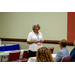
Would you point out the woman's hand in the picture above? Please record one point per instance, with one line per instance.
(41, 41)
(35, 41)
(30, 42)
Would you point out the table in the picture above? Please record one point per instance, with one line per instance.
(33, 59)
(7, 52)
(9, 47)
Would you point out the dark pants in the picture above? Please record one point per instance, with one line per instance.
(31, 53)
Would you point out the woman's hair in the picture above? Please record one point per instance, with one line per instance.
(43, 54)
(63, 42)
(33, 27)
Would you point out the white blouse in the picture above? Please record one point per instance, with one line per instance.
(33, 37)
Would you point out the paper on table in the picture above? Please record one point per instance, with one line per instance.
(53, 55)
(2, 51)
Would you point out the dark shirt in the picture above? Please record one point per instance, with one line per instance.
(72, 54)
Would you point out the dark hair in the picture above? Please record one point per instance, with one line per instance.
(63, 43)
(33, 27)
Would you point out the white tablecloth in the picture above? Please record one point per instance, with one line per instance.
(6, 44)
(7, 52)
(33, 59)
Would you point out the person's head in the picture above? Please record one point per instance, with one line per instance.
(36, 27)
(62, 43)
(43, 54)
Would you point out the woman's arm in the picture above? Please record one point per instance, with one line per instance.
(30, 42)
(41, 41)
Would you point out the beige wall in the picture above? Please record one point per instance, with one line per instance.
(19, 24)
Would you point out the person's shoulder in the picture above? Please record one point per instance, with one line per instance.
(65, 49)
(40, 32)
(60, 51)
(73, 50)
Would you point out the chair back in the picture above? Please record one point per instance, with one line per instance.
(14, 56)
(51, 49)
(66, 59)
(25, 54)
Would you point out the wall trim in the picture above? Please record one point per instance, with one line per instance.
(25, 40)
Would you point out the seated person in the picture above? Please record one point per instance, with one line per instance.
(43, 54)
(72, 53)
(63, 52)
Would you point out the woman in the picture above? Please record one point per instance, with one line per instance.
(44, 55)
(35, 40)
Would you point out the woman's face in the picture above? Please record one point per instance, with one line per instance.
(36, 28)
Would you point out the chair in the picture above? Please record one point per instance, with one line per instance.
(66, 59)
(51, 49)
(13, 56)
(25, 57)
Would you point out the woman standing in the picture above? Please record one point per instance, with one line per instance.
(35, 40)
